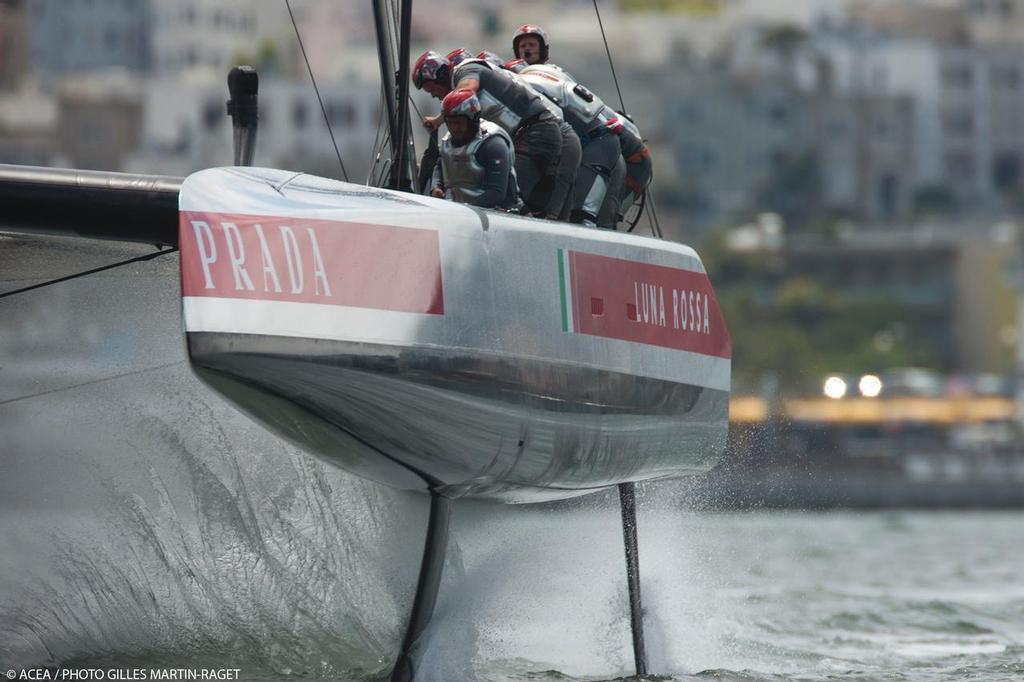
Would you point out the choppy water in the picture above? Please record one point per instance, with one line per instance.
(298, 588)
(145, 523)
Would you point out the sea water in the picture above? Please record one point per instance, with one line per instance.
(146, 525)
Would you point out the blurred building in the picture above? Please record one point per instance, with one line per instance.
(150, 36)
(185, 126)
(732, 137)
(995, 22)
(932, 114)
(13, 43)
(951, 283)
(28, 128)
(196, 34)
(100, 119)
(73, 36)
(864, 147)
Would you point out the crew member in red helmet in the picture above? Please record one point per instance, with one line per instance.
(477, 161)
(535, 130)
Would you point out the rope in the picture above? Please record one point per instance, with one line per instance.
(652, 215)
(640, 204)
(148, 256)
(375, 150)
(393, 21)
(611, 63)
(316, 89)
(91, 383)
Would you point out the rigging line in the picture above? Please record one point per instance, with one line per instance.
(379, 180)
(92, 382)
(653, 217)
(148, 256)
(639, 203)
(375, 150)
(611, 63)
(309, 68)
(381, 164)
(393, 25)
(415, 108)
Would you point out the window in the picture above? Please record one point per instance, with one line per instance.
(300, 114)
(707, 159)
(958, 123)
(778, 113)
(213, 113)
(1006, 76)
(691, 113)
(957, 76)
(959, 165)
(341, 113)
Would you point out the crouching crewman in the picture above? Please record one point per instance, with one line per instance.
(477, 161)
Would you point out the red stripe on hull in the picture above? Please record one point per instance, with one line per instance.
(272, 258)
(643, 303)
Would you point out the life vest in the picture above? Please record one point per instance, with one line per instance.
(580, 106)
(463, 174)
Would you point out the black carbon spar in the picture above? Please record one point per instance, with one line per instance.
(95, 204)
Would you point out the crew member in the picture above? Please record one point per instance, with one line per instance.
(477, 160)
(639, 171)
(458, 55)
(595, 124)
(530, 43)
(489, 56)
(514, 106)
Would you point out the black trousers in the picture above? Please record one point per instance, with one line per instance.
(538, 149)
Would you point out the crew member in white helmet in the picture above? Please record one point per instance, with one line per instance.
(530, 43)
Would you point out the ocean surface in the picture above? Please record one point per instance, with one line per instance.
(540, 595)
(144, 523)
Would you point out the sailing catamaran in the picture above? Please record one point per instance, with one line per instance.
(420, 343)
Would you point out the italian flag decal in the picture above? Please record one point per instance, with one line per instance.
(566, 288)
(655, 305)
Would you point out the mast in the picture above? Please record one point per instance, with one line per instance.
(387, 66)
(401, 167)
(396, 90)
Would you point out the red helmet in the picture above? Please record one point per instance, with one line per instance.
(531, 30)
(514, 65)
(431, 66)
(490, 57)
(459, 55)
(461, 103)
